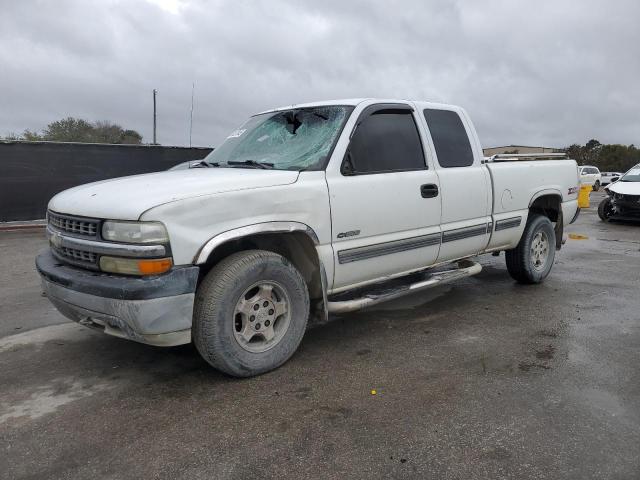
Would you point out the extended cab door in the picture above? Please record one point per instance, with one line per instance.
(385, 202)
(464, 183)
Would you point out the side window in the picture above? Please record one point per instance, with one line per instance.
(385, 141)
(449, 138)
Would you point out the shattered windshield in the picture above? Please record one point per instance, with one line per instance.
(632, 175)
(296, 139)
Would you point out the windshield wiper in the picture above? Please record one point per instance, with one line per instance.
(251, 164)
(203, 164)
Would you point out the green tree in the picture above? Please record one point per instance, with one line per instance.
(575, 152)
(613, 157)
(131, 136)
(72, 129)
(69, 130)
(31, 136)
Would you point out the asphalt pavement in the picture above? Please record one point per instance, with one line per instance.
(480, 379)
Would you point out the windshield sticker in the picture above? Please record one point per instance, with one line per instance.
(237, 133)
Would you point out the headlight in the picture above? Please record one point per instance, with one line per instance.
(135, 232)
(135, 266)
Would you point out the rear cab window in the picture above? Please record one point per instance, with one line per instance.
(450, 138)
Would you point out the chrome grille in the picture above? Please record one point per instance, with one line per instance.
(73, 225)
(78, 255)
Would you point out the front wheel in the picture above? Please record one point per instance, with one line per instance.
(605, 209)
(531, 261)
(250, 313)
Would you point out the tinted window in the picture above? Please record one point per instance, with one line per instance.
(385, 141)
(449, 137)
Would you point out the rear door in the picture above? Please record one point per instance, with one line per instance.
(385, 204)
(464, 183)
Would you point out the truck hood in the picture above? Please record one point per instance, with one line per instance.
(126, 198)
(625, 188)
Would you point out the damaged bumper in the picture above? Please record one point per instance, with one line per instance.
(625, 207)
(153, 310)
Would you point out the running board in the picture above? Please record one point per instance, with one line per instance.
(466, 268)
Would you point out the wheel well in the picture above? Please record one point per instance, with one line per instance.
(297, 247)
(547, 205)
(550, 206)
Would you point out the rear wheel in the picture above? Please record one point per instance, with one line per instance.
(605, 209)
(531, 261)
(596, 186)
(250, 313)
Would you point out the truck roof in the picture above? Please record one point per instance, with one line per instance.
(352, 102)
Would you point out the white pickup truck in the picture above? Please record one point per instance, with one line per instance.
(303, 211)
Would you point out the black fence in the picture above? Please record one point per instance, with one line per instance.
(33, 172)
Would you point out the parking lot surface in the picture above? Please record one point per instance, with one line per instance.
(480, 379)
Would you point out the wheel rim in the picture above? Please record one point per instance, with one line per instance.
(262, 316)
(539, 251)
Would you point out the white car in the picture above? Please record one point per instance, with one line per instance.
(623, 198)
(609, 177)
(590, 175)
(303, 211)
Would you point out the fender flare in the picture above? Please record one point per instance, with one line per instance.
(546, 191)
(267, 227)
(257, 228)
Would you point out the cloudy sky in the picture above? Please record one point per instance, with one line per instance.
(529, 72)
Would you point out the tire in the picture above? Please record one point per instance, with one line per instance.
(605, 209)
(523, 261)
(243, 293)
(596, 186)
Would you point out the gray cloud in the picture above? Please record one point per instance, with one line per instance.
(540, 73)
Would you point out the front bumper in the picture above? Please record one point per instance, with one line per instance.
(625, 207)
(155, 310)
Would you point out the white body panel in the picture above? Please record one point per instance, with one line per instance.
(193, 221)
(359, 203)
(196, 205)
(126, 198)
(516, 185)
(625, 188)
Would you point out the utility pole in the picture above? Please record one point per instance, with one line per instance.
(193, 87)
(155, 140)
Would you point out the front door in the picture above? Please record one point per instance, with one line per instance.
(385, 202)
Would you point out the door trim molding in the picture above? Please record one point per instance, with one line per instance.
(387, 248)
(505, 223)
(465, 232)
(397, 246)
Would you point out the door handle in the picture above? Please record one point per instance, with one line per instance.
(429, 190)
